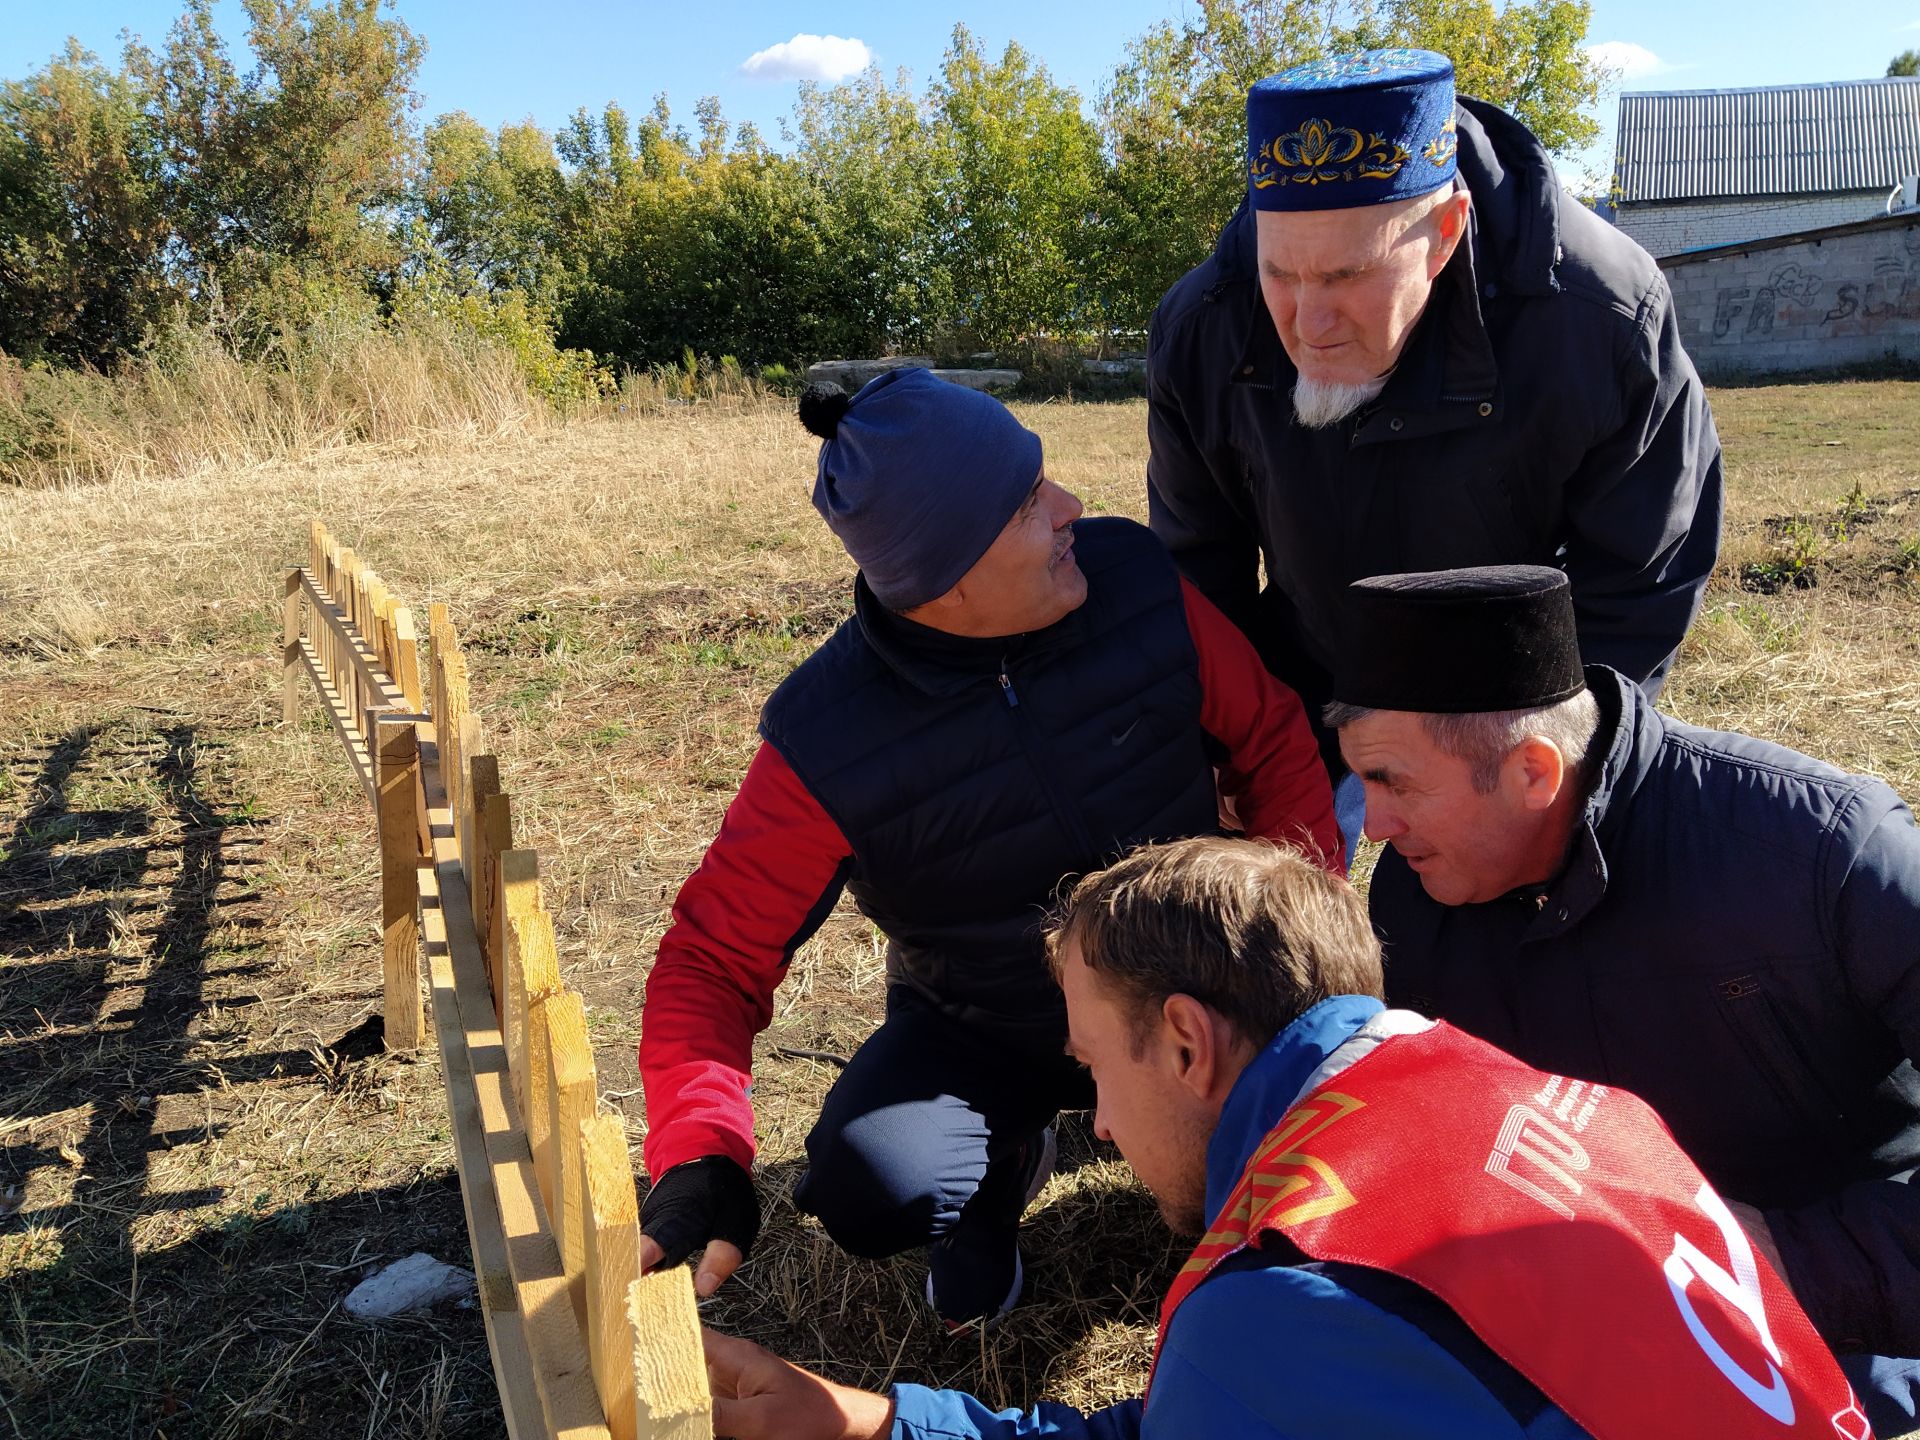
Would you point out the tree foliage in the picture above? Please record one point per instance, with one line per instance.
(992, 209)
(1907, 62)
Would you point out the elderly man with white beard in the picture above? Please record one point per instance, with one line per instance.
(1412, 350)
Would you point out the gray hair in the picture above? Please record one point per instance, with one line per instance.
(1484, 739)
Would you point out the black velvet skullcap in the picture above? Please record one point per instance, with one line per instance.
(1458, 642)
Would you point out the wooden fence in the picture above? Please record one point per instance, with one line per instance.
(583, 1345)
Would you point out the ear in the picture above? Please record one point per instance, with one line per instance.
(1450, 228)
(1196, 1047)
(1538, 770)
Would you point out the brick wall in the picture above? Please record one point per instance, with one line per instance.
(1812, 305)
(1667, 227)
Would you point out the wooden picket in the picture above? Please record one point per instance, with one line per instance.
(583, 1346)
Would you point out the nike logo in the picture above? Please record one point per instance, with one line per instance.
(1121, 738)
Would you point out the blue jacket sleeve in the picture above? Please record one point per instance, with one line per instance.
(1293, 1353)
(923, 1414)
(1853, 1257)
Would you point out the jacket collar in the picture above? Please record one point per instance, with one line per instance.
(1629, 738)
(1272, 1082)
(939, 664)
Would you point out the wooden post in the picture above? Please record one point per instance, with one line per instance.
(571, 1101)
(473, 741)
(516, 896)
(349, 578)
(290, 650)
(451, 731)
(538, 1108)
(495, 824)
(483, 780)
(533, 973)
(407, 655)
(613, 1265)
(399, 771)
(671, 1398)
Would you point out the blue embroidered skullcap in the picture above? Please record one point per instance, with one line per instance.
(918, 477)
(1351, 130)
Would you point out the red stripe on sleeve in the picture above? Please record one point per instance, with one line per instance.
(1274, 774)
(766, 881)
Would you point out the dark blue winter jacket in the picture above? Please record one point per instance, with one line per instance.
(1735, 937)
(970, 775)
(1265, 1349)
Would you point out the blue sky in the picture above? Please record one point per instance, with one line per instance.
(508, 60)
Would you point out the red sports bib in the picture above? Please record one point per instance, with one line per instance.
(1561, 1222)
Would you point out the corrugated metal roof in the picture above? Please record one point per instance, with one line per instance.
(1771, 140)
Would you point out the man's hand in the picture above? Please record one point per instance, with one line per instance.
(759, 1396)
(710, 1202)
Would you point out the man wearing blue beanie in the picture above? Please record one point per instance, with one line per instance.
(1412, 350)
(1020, 697)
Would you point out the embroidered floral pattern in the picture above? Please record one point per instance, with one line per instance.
(1440, 150)
(1320, 152)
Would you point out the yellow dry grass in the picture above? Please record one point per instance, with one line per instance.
(629, 591)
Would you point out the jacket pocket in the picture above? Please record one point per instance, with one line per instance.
(1755, 1013)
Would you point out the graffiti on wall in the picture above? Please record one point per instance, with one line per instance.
(1865, 302)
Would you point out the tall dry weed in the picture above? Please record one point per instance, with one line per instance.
(194, 404)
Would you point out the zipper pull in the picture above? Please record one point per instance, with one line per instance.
(1006, 688)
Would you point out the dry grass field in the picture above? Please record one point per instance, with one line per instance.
(202, 1146)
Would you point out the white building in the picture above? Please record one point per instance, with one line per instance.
(1698, 169)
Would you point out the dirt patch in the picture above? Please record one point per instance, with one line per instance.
(186, 1173)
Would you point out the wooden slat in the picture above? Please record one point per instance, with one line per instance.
(613, 1264)
(350, 738)
(483, 780)
(533, 972)
(290, 650)
(399, 882)
(473, 741)
(553, 1349)
(407, 675)
(348, 652)
(516, 896)
(507, 1339)
(572, 1101)
(671, 1398)
(495, 825)
(539, 1106)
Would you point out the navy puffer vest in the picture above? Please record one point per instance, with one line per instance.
(972, 777)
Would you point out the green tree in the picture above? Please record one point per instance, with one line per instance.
(297, 165)
(1019, 169)
(1907, 62)
(867, 148)
(81, 231)
(1526, 58)
(493, 205)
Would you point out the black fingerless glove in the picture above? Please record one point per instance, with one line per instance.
(706, 1199)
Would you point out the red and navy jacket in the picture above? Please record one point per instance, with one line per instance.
(953, 785)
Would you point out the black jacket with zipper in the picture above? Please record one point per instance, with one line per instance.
(1735, 938)
(1543, 411)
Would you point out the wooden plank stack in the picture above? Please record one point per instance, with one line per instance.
(583, 1345)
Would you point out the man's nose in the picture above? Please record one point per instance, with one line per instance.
(1067, 508)
(1315, 320)
(1382, 823)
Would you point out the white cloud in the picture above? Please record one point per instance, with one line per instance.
(809, 57)
(1627, 60)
